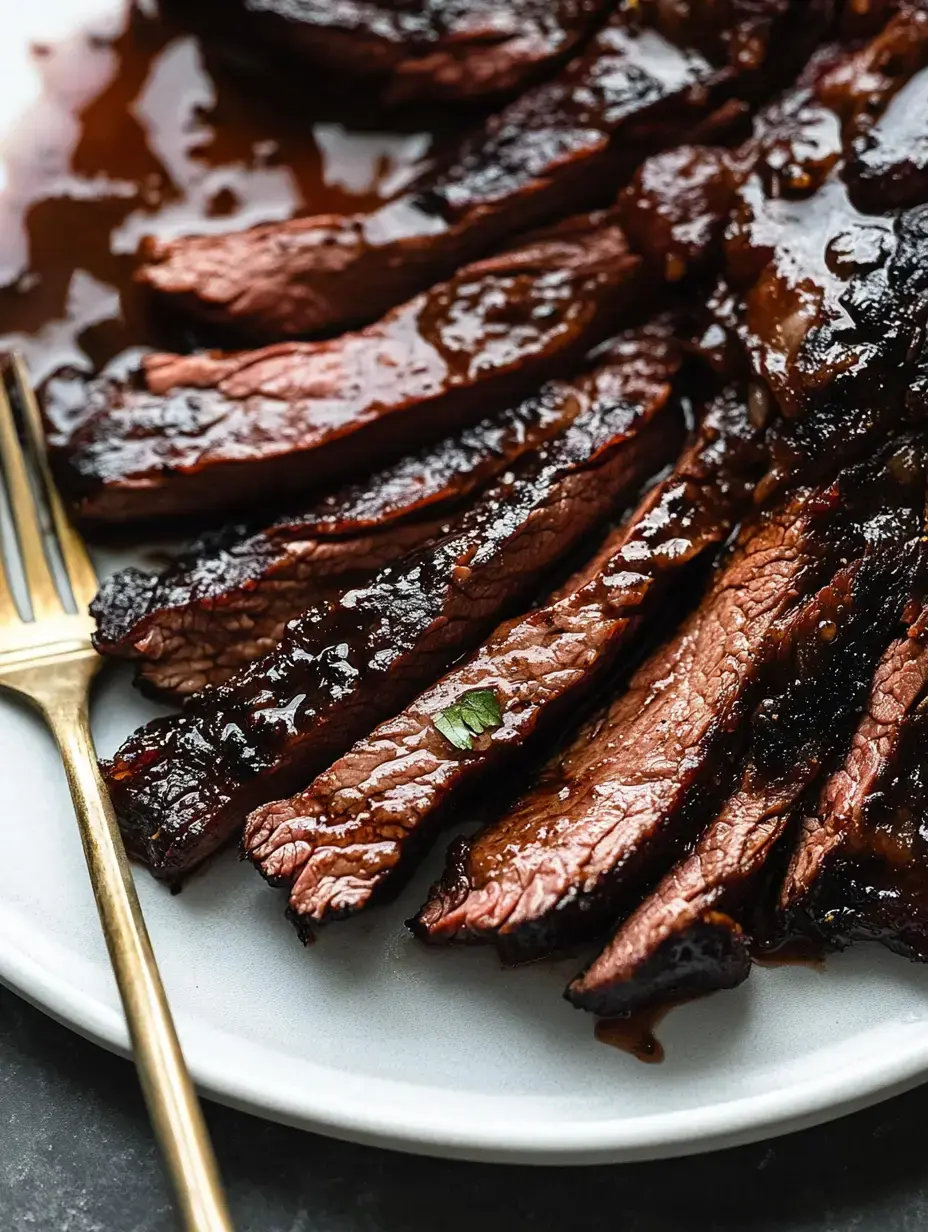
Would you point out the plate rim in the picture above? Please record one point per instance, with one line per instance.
(699, 1130)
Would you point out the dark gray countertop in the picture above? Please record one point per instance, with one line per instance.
(76, 1156)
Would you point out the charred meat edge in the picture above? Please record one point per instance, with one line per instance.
(853, 843)
(873, 886)
(182, 786)
(211, 432)
(351, 836)
(849, 289)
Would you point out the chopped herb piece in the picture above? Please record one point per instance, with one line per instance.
(477, 711)
(452, 727)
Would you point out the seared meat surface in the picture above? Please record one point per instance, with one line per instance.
(210, 432)
(831, 300)
(229, 597)
(683, 572)
(348, 839)
(561, 146)
(182, 786)
(872, 886)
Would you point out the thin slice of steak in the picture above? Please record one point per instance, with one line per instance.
(684, 939)
(881, 93)
(402, 52)
(182, 786)
(351, 836)
(227, 599)
(562, 146)
(870, 75)
(636, 784)
(213, 432)
(846, 877)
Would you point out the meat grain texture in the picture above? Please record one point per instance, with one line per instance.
(772, 157)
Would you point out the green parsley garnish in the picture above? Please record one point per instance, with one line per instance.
(476, 712)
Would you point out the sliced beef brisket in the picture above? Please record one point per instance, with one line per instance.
(182, 786)
(403, 52)
(637, 782)
(228, 598)
(348, 838)
(684, 939)
(212, 432)
(557, 148)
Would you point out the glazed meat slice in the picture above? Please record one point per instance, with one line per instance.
(677, 206)
(636, 783)
(846, 877)
(868, 77)
(348, 839)
(213, 432)
(404, 52)
(228, 598)
(557, 148)
(683, 940)
(856, 376)
(182, 786)
(873, 887)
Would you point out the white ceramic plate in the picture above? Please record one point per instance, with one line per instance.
(369, 1035)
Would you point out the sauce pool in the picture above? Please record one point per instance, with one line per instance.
(122, 125)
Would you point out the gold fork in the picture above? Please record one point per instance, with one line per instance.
(49, 661)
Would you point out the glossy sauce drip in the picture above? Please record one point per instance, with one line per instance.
(124, 126)
(634, 1033)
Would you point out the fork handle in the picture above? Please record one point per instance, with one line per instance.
(169, 1093)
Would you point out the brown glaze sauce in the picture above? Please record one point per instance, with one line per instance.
(635, 1033)
(126, 126)
(794, 952)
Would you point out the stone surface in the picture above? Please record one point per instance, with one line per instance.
(76, 1156)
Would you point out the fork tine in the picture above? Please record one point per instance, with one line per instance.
(82, 576)
(43, 594)
(8, 609)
